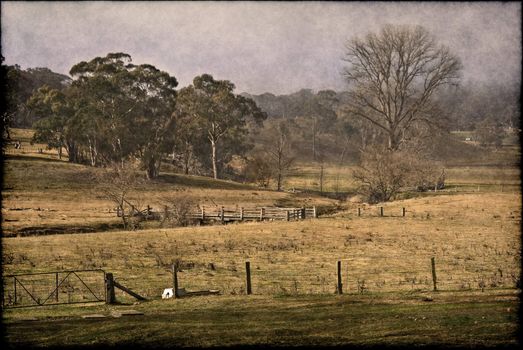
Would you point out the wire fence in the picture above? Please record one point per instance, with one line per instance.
(362, 274)
(272, 275)
(430, 212)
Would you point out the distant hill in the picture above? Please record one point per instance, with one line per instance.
(25, 83)
(292, 105)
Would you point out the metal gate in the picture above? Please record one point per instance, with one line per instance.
(53, 288)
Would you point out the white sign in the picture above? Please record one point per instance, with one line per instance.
(168, 293)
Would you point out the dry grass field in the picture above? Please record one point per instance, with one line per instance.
(474, 239)
(473, 235)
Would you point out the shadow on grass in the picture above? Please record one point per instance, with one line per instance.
(64, 229)
(32, 158)
(201, 182)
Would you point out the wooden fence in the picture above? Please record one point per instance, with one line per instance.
(253, 214)
(227, 214)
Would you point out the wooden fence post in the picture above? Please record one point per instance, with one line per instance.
(314, 214)
(56, 287)
(248, 274)
(403, 211)
(261, 214)
(241, 214)
(221, 214)
(340, 286)
(359, 211)
(288, 215)
(302, 213)
(175, 280)
(381, 211)
(203, 213)
(109, 286)
(14, 287)
(433, 263)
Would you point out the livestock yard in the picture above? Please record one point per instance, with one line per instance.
(442, 268)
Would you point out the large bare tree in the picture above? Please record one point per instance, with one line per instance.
(393, 76)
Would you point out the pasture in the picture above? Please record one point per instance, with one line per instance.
(472, 233)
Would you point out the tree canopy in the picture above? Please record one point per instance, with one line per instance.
(220, 115)
(393, 76)
(113, 110)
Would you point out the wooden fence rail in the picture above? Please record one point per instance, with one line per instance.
(252, 214)
(223, 214)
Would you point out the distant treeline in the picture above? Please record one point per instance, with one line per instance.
(110, 109)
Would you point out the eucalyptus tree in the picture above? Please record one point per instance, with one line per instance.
(394, 75)
(10, 99)
(52, 108)
(221, 115)
(126, 109)
(106, 105)
(155, 122)
(187, 148)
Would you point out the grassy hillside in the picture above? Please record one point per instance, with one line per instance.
(473, 234)
(42, 192)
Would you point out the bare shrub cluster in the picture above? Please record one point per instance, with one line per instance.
(178, 208)
(118, 183)
(383, 173)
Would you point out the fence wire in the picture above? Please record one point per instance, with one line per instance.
(358, 275)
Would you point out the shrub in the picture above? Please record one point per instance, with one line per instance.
(177, 209)
(383, 173)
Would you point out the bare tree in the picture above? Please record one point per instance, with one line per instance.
(117, 183)
(279, 151)
(394, 75)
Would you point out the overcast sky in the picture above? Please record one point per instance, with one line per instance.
(261, 47)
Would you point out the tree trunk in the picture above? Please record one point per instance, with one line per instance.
(173, 155)
(187, 158)
(279, 180)
(343, 151)
(214, 166)
(93, 152)
(72, 152)
(314, 139)
(321, 178)
(393, 141)
(152, 168)
(124, 218)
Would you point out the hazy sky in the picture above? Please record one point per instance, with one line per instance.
(260, 46)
